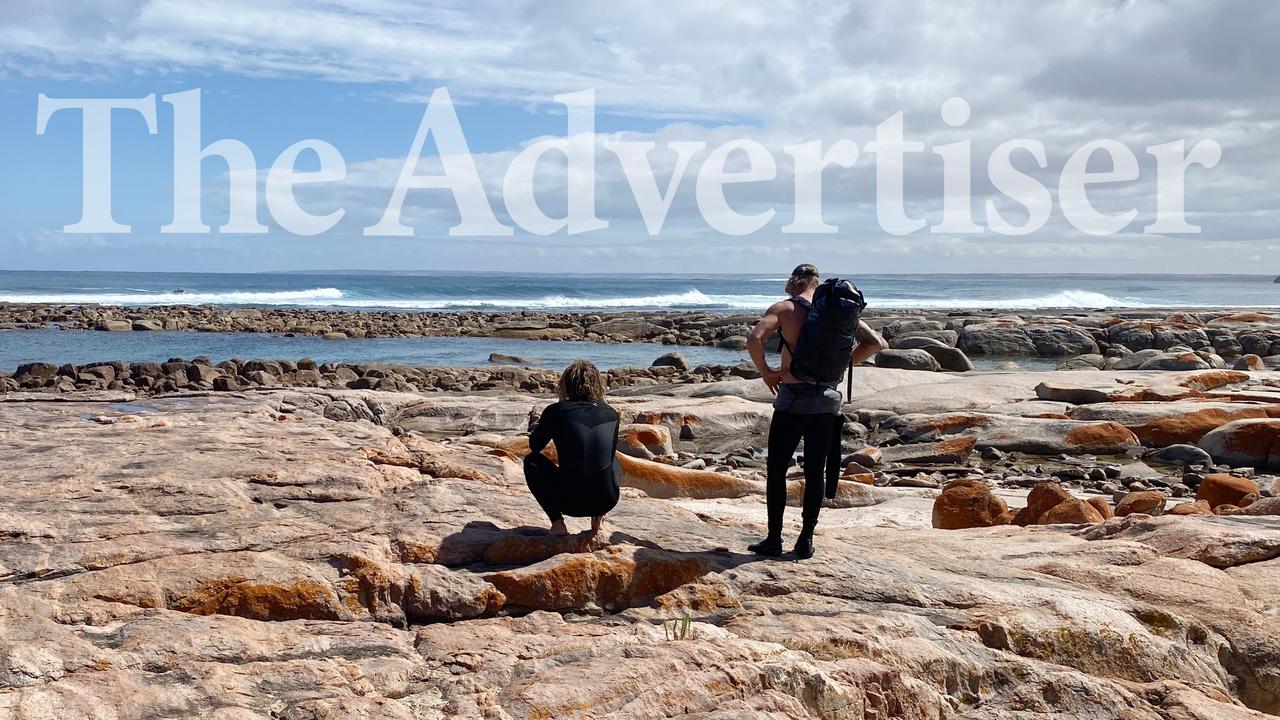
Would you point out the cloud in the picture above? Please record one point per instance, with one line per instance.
(1061, 71)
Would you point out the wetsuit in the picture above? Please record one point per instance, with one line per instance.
(585, 483)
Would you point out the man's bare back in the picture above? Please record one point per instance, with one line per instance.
(787, 318)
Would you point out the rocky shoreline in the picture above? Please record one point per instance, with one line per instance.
(203, 375)
(1102, 338)
(1083, 544)
(255, 539)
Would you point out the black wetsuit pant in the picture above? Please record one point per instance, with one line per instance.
(821, 435)
(560, 496)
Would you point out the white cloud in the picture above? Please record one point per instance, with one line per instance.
(1060, 71)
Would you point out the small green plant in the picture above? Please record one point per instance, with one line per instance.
(679, 629)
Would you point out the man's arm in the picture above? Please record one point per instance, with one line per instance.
(542, 432)
(760, 334)
(869, 343)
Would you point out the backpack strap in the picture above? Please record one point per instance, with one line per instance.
(801, 302)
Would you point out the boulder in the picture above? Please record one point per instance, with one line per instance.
(995, 339)
(1084, 362)
(644, 441)
(967, 504)
(917, 342)
(911, 326)
(1190, 508)
(1147, 502)
(950, 358)
(1035, 436)
(951, 450)
(147, 325)
(1245, 443)
(501, 359)
(1100, 504)
(115, 326)
(1060, 340)
(916, 359)
(1181, 455)
(39, 370)
(1263, 506)
(632, 329)
(1071, 512)
(1043, 497)
(1250, 363)
(672, 359)
(1223, 489)
(1161, 424)
(867, 457)
(1175, 362)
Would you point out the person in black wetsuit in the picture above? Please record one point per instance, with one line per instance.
(585, 430)
(803, 410)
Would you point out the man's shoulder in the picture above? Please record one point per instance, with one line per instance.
(782, 307)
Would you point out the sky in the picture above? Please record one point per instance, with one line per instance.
(358, 75)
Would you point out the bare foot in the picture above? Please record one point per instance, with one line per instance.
(597, 522)
(559, 529)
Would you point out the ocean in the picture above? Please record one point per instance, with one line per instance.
(736, 293)
(628, 292)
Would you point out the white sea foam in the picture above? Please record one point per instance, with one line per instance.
(690, 299)
(687, 300)
(1062, 299)
(314, 296)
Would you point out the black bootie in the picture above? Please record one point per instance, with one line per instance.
(804, 543)
(769, 547)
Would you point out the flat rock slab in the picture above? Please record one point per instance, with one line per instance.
(252, 557)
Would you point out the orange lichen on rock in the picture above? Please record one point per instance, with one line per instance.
(1222, 489)
(1070, 512)
(967, 504)
(1187, 428)
(667, 481)
(1099, 435)
(1100, 504)
(1210, 379)
(397, 456)
(298, 600)
(958, 445)
(1146, 502)
(1190, 508)
(616, 578)
(1042, 498)
(1246, 443)
(529, 549)
(700, 596)
(954, 423)
(1243, 318)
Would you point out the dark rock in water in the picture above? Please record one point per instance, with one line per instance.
(672, 359)
(1277, 280)
(502, 359)
(907, 360)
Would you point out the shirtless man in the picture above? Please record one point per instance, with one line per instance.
(802, 410)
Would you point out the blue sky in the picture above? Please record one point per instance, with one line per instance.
(357, 74)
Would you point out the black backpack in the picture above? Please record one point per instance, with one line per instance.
(824, 352)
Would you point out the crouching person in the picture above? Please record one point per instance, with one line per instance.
(584, 428)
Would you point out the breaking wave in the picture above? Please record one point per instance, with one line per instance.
(1063, 299)
(692, 299)
(315, 296)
